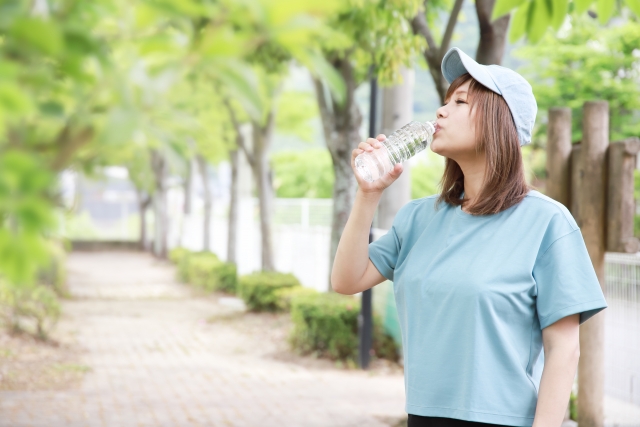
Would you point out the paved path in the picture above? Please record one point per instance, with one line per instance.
(161, 356)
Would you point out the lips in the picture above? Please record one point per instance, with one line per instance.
(437, 128)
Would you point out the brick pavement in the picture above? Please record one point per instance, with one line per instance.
(156, 361)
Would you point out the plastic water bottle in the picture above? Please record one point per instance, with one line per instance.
(404, 143)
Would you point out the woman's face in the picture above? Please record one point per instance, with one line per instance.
(456, 136)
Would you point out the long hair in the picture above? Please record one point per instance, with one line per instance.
(504, 181)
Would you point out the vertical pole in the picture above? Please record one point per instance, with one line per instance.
(365, 321)
(558, 182)
(592, 216)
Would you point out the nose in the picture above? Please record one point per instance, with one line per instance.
(441, 112)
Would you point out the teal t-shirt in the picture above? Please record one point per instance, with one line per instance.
(473, 294)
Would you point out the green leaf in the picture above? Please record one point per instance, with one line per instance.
(634, 5)
(41, 35)
(582, 5)
(519, 23)
(538, 21)
(502, 7)
(560, 10)
(13, 100)
(240, 80)
(605, 8)
(320, 68)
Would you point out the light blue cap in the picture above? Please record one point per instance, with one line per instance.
(503, 81)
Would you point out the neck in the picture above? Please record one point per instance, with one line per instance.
(473, 171)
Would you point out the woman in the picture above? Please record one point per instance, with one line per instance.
(485, 274)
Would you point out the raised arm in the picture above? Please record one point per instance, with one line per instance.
(352, 271)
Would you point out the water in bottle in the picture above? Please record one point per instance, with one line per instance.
(404, 143)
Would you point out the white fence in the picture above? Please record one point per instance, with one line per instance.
(622, 327)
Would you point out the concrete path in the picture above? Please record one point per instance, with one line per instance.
(161, 356)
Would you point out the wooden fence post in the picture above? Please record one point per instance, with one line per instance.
(558, 180)
(621, 206)
(591, 218)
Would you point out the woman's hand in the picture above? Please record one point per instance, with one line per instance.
(384, 181)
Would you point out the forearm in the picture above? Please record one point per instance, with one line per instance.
(560, 368)
(352, 254)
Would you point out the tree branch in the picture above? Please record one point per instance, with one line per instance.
(69, 145)
(453, 20)
(236, 126)
(420, 26)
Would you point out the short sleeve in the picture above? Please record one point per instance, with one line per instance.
(384, 252)
(566, 281)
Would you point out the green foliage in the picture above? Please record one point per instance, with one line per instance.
(177, 254)
(54, 274)
(299, 174)
(25, 212)
(294, 113)
(374, 33)
(587, 62)
(259, 290)
(204, 270)
(534, 17)
(573, 407)
(284, 296)
(326, 324)
(425, 176)
(36, 303)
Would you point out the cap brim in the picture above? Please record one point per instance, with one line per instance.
(456, 63)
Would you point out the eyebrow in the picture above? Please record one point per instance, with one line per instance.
(460, 91)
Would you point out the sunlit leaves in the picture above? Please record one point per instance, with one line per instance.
(588, 62)
(533, 17)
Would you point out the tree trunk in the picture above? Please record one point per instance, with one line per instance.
(341, 125)
(262, 175)
(206, 226)
(233, 209)
(493, 35)
(143, 203)
(159, 167)
(187, 188)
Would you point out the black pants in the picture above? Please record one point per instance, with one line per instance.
(420, 421)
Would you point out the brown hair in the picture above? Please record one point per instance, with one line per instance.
(504, 181)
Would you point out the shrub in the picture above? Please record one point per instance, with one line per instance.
(176, 254)
(259, 290)
(285, 295)
(54, 274)
(205, 270)
(327, 324)
(36, 302)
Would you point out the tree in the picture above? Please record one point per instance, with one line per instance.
(54, 101)
(363, 34)
(533, 17)
(587, 62)
(490, 46)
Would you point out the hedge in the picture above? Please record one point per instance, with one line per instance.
(327, 324)
(262, 291)
(205, 270)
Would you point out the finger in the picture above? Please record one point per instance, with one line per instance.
(381, 137)
(373, 142)
(365, 146)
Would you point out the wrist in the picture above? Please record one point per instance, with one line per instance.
(369, 196)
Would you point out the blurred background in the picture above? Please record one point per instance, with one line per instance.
(175, 176)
